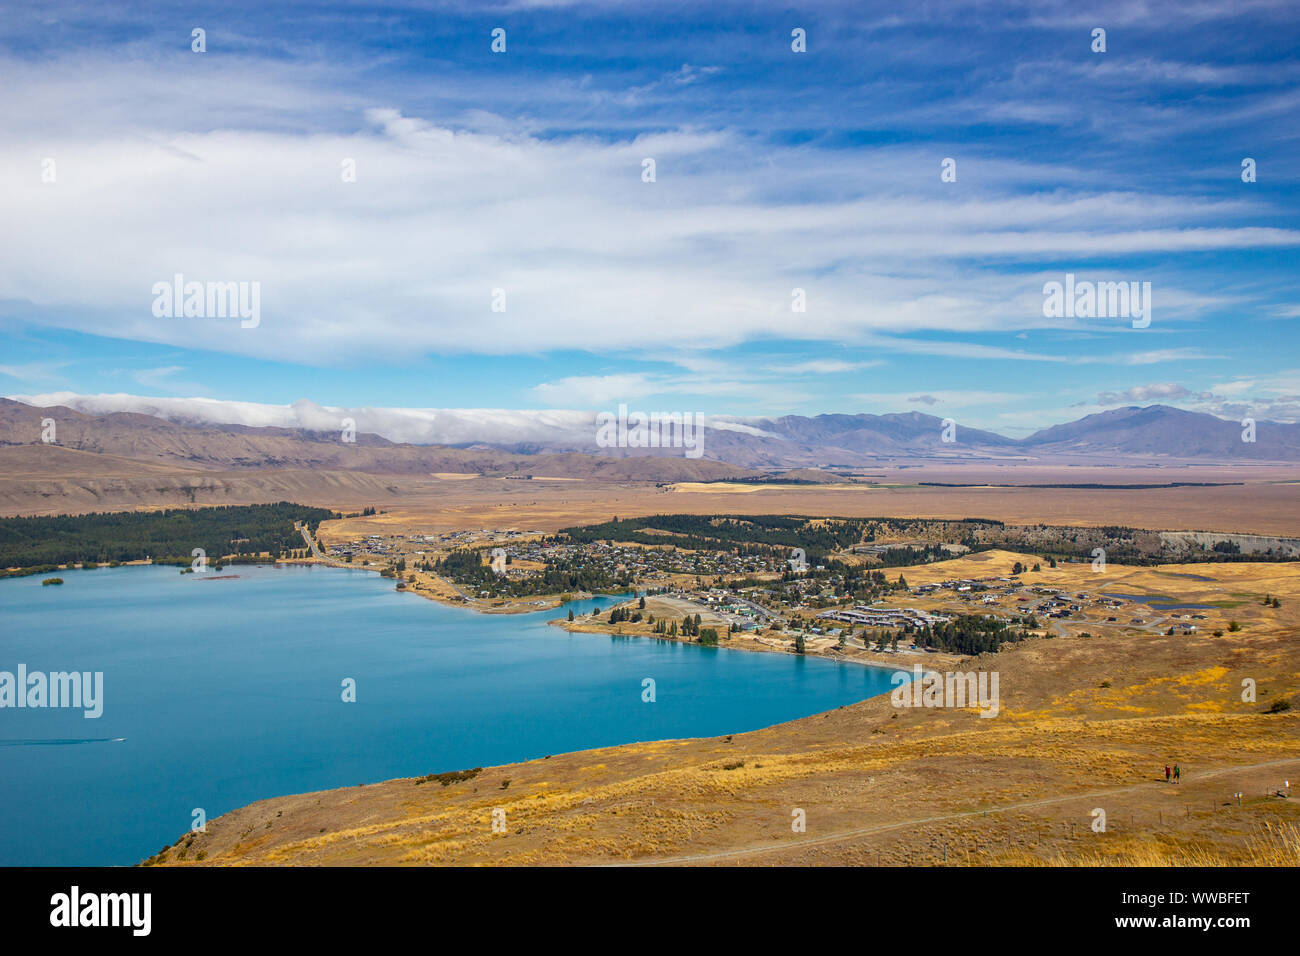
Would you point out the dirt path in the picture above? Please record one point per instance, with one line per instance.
(945, 817)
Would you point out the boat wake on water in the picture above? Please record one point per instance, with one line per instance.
(61, 741)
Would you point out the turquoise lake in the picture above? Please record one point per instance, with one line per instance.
(224, 692)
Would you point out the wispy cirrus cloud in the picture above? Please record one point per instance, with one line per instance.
(38, 373)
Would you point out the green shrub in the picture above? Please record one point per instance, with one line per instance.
(450, 777)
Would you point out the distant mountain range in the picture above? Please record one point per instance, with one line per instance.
(560, 444)
(144, 440)
(1154, 433)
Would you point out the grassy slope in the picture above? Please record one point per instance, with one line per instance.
(885, 786)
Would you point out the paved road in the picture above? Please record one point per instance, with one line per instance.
(302, 529)
(758, 609)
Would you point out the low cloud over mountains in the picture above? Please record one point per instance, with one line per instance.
(1157, 432)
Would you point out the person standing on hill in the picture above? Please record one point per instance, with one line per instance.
(1178, 772)
(1166, 773)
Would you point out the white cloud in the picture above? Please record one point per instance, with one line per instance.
(605, 391)
(823, 367)
(1159, 392)
(34, 372)
(405, 260)
(1156, 356)
(444, 426)
(596, 390)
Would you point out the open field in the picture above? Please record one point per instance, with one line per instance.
(1085, 724)
(1264, 504)
(1262, 499)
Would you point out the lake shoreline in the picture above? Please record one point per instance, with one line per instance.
(753, 643)
(897, 660)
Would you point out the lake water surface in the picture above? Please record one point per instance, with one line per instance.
(218, 693)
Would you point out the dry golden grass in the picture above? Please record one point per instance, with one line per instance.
(1270, 846)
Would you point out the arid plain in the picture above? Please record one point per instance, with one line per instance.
(1255, 499)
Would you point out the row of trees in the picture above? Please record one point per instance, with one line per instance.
(689, 627)
(168, 535)
(621, 614)
(758, 534)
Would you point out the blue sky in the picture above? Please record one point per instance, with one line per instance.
(774, 170)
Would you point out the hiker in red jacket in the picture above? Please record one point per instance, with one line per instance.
(1167, 773)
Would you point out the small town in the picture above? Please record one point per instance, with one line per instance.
(765, 598)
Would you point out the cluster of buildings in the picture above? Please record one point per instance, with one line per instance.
(739, 610)
(964, 585)
(1058, 604)
(864, 615)
(388, 547)
(645, 564)
(371, 546)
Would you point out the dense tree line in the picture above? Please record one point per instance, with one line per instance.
(776, 535)
(728, 532)
(168, 535)
(906, 557)
(772, 536)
